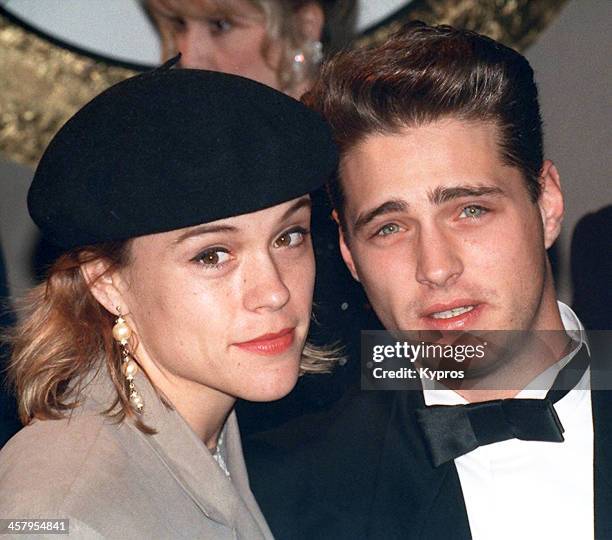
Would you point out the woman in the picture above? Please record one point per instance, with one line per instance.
(186, 284)
(276, 42)
(280, 43)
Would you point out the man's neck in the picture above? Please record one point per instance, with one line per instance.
(545, 344)
(526, 366)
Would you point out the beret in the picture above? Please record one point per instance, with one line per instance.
(174, 148)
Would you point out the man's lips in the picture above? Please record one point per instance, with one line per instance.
(456, 314)
(269, 344)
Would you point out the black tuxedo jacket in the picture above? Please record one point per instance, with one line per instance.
(363, 471)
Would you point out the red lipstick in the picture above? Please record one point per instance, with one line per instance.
(269, 344)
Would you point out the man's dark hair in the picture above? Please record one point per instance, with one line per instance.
(422, 74)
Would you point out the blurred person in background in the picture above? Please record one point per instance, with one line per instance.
(276, 42)
(591, 262)
(281, 43)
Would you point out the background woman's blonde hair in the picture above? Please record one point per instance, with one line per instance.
(280, 23)
(64, 333)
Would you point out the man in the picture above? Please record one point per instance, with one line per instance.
(446, 207)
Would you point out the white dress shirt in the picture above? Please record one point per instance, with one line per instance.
(530, 489)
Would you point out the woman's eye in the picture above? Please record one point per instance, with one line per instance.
(291, 238)
(177, 23)
(390, 228)
(473, 211)
(220, 25)
(213, 258)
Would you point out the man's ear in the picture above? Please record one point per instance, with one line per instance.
(344, 250)
(104, 285)
(550, 202)
(310, 20)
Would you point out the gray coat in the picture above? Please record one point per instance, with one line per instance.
(113, 481)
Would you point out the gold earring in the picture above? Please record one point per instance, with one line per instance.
(122, 333)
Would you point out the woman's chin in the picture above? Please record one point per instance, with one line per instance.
(272, 386)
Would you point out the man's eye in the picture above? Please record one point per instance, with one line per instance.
(220, 25)
(291, 238)
(390, 228)
(213, 258)
(473, 211)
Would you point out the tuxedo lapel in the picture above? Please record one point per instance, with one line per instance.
(354, 475)
(413, 499)
(327, 492)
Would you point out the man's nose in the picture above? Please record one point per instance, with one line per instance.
(439, 263)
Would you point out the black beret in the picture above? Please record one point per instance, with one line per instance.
(174, 148)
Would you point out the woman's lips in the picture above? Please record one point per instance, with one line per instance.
(452, 317)
(269, 344)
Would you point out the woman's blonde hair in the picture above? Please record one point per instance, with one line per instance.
(280, 24)
(64, 332)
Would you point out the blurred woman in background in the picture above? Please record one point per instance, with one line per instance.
(276, 42)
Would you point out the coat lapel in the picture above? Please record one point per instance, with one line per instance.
(239, 475)
(186, 457)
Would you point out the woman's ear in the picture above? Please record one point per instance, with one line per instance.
(310, 19)
(104, 284)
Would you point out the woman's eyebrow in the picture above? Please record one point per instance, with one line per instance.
(204, 229)
(304, 202)
(207, 228)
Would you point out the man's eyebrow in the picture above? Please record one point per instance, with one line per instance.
(443, 194)
(392, 205)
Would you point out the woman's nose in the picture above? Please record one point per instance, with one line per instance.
(194, 43)
(265, 288)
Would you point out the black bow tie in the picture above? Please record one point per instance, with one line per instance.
(451, 431)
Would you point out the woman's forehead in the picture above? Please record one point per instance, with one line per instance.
(259, 219)
(198, 8)
(255, 225)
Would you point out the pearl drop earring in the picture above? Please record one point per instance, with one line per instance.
(122, 333)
